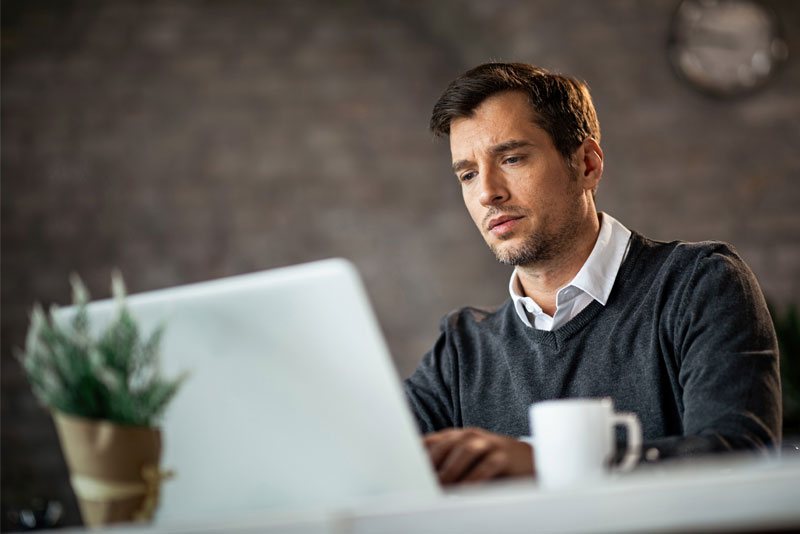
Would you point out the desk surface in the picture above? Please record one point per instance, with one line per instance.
(725, 494)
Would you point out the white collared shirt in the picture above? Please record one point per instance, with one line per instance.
(593, 282)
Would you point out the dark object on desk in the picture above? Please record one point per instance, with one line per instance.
(39, 515)
(787, 328)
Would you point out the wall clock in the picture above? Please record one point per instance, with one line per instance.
(725, 47)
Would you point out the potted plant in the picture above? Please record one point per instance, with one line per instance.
(106, 396)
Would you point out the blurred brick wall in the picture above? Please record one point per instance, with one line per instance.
(182, 141)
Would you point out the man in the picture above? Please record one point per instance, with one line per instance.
(678, 333)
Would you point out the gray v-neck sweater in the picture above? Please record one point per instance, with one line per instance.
(685, 341)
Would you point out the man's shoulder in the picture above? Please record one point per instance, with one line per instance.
(681, 252)
(681, 266)
(473, 317)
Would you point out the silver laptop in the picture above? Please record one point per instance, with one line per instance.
(292, 402)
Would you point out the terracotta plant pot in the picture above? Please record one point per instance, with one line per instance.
(113, 468)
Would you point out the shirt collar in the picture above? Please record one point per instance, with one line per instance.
(596, 276)
(520, 302)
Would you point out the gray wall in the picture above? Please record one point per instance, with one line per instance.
(182, 141)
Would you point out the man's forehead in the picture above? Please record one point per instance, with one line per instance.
(468, 141)
(498, 119)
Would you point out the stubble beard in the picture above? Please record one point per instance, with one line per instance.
(537, 247)
(542, 245)
(534, 249)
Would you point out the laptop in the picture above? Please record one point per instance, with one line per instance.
(292, 402)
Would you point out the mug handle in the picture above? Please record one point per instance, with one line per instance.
(634, 445)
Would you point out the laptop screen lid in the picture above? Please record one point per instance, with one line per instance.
(292, 400)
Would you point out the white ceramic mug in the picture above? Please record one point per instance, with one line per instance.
(574, 440)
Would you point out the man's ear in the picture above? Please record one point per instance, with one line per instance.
(589, 158)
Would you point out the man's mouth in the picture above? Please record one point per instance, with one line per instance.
(503, 223)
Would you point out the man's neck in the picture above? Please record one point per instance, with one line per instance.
(541, 281)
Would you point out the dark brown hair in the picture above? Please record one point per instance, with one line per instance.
(561, 105)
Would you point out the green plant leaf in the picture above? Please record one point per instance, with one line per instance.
(113, 376)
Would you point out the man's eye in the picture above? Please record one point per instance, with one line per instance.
(467, 176)
(513, 159)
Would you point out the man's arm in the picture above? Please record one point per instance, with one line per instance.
(430, 390)
(724, 343)
(458, 454)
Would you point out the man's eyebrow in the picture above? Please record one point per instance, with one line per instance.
(460, 164)
(495, 150)
(508, 146)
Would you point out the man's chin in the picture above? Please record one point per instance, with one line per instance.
(506, 254)
(519, 254)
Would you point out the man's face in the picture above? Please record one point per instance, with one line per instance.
(523, 196)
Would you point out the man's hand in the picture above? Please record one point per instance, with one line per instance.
(476, 455)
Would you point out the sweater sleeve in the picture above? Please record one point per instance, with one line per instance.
(727, 355)
(430, 390)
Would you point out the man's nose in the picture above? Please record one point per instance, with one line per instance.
(494, 189)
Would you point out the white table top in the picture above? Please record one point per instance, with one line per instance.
(726, 493)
